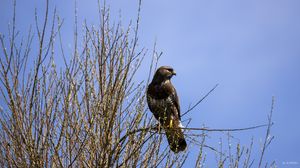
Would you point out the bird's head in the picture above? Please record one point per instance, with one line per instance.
(164, 73)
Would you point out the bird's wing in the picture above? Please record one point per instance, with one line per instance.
(176, 103)
(171, 91)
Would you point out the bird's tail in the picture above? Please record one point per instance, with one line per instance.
(176, 139)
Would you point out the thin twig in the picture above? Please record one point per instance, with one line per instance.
(266, 142)
(200, 100)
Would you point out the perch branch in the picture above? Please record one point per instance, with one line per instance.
(156, 128)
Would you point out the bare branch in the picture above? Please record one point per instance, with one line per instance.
(190, 109)
(267, 140)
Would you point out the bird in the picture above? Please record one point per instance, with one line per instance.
(163, 102)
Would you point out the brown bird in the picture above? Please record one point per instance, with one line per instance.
(164, 104)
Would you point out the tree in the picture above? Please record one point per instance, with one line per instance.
(88, 112)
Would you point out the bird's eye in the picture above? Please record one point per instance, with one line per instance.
(170, 69)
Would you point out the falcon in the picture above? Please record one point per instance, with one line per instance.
(163, 102)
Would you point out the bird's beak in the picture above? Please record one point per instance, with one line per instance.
(174, 73)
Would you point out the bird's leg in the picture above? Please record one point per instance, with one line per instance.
(171, 123)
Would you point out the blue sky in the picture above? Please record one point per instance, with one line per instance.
(251, 48)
